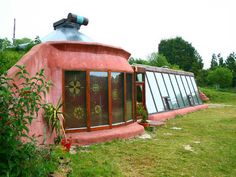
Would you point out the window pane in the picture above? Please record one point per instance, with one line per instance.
(155, 91)
(171, 91)
(149, 101)
(179, 82)
(75, 99)
(99, 98)
(139, 93)
(139, 77)
(192, 90)
(161, 84)
(185, 85)
(177, 91)
(196, 89)
(117, 87)
(129, 92)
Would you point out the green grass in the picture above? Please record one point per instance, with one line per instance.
(211, 133)
(223, 96)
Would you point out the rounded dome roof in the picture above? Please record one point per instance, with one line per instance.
(66, 34)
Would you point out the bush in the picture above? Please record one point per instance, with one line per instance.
(220, 77)
(141, 111)
(19, 104)
(8, 58)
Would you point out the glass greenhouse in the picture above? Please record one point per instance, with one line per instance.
(162, 89)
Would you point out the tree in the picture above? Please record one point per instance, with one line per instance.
(214, 62)
(22, 41)
(10, 54)
(4, 43)
(201, 78)
(158, 60)
(230, 63)
(180, 52)
(221, 76)
(221, 60)
(133, 60)
(8, 58)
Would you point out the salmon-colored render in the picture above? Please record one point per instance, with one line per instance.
(59, 57)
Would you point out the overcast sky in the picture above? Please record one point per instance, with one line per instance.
(134, 25)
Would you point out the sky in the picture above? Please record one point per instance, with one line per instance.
(137, 26)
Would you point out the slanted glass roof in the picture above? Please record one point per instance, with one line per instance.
(168, 89)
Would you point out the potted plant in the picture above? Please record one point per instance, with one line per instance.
(142, 114)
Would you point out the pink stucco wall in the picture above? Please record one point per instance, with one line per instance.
(55, 57)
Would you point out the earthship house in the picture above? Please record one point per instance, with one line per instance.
(99, 89)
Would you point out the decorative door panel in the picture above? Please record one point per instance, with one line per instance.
(99, 98)
(75, 99)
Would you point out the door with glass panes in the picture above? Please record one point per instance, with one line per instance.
(139, 89)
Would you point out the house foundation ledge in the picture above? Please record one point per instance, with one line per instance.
(93, 137)
(172, 114)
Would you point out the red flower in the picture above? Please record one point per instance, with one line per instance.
(66, 144)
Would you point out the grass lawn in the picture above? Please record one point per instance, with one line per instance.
(200, 144)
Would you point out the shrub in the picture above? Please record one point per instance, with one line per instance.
(220, 77)
(141, 111)
(19, 104)
(8, 58)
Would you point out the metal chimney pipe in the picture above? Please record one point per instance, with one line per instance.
(77, 19)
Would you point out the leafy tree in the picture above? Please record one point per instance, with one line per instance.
(180, 52)
(9, 54)
(4, 43)
(8, 58)
(201, 78)
(22, 41)
(230, 63)
(137, 61)
(158, 60)
(221, 60)
(221, 77)
(214, 62)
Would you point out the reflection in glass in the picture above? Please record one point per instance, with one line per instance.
(177, 91)
(161, 84)
(75, 99)
(196, 89)
(149, 100)
(129, 92)
(139, 77)
(192, 90)
(117, 93)
(139, 93)
(170, 91)
(99, 98)
(185, 85)
(182, 90)
(155, 91)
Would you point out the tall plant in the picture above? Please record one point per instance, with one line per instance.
(54, 117)
(19, 104)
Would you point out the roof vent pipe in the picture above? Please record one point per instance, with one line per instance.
(72, 21)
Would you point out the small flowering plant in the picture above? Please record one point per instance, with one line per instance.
(66, 144)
